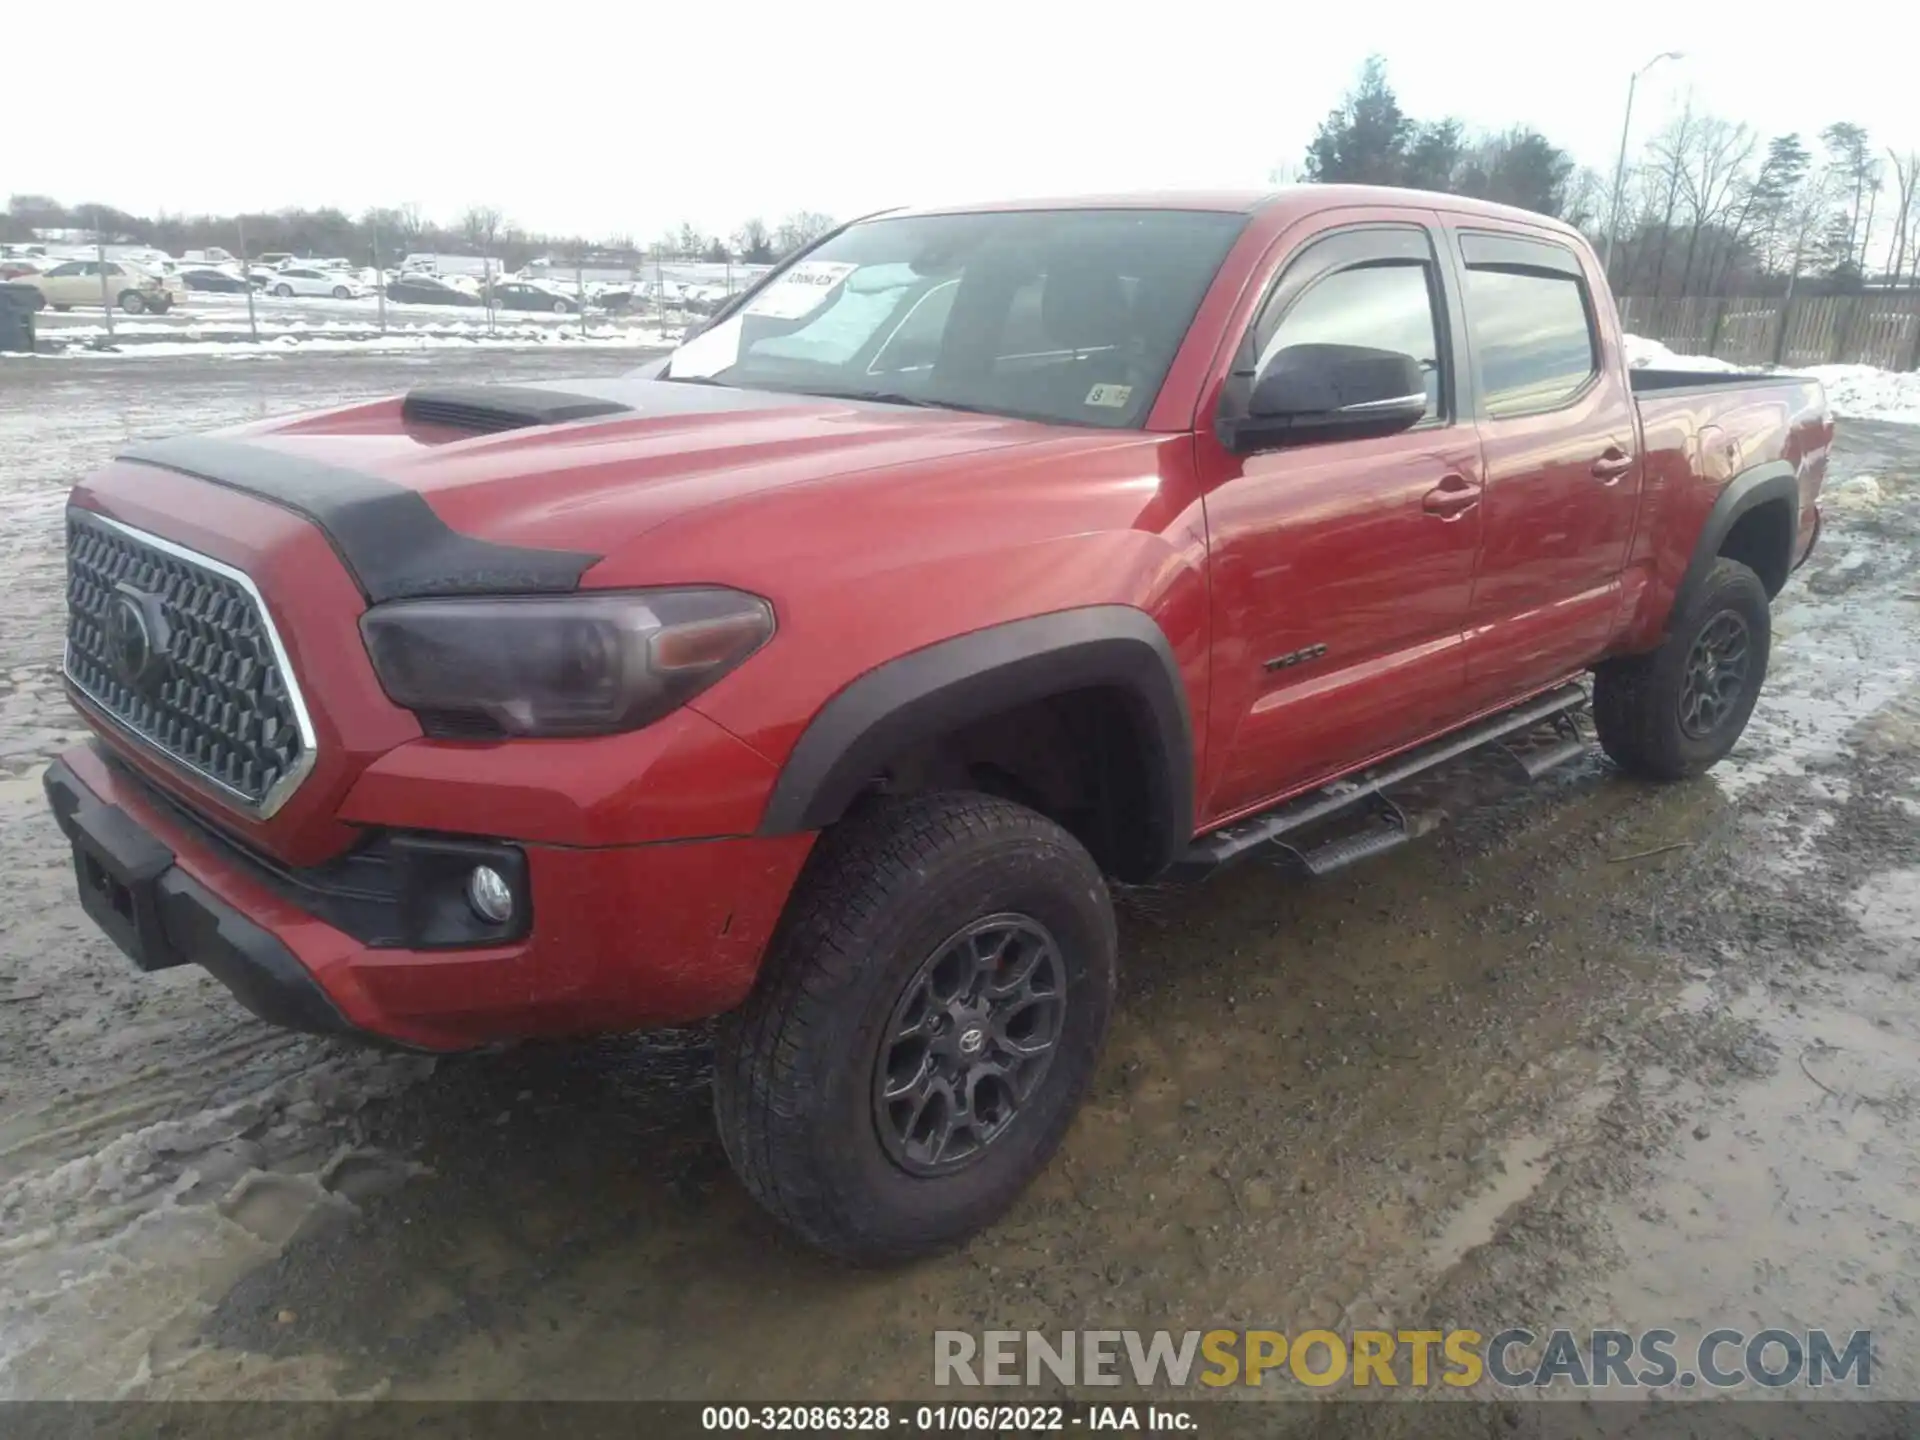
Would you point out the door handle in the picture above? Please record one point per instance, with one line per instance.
(1451, 498)
(1612, 464)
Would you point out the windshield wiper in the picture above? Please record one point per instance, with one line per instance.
(895, 397)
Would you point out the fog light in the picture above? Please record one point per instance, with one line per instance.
(489, 895)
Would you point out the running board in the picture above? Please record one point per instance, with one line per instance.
(1391, 829)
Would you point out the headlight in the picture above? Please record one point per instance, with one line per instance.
(583, 664)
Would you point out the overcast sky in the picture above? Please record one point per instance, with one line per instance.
(602, 118)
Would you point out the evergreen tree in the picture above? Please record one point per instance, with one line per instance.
(1364, 141)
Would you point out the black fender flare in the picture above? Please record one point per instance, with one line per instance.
(1772, 483)
(947, 685)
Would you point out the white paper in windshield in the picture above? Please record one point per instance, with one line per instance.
(709, 352)
(800, 290)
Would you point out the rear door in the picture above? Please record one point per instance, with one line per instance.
(1341, 571)
(75, 283)
(1562, 478)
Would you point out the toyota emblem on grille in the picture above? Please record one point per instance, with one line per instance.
(136, 634)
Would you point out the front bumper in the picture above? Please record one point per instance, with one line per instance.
(618, 938)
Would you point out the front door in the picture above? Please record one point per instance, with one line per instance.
(1562, 481)
(1341, 571)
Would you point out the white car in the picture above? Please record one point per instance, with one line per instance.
(309, 280)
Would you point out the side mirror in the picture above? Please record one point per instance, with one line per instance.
(1308, 393)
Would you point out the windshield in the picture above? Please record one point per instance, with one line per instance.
(1064, 315)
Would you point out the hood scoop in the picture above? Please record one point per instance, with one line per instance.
(489, 409)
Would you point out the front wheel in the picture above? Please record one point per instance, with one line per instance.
(284, 291)
(925, 1024)
(1676, 712)
(134, 303)
(561, 307)
(340, 292)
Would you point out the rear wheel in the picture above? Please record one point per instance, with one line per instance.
(924, 1026)
(1678, 711)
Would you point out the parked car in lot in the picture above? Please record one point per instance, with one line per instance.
(305, 280)
(527, 295)
(79, 282)
(13, 266)
(415, 289)
(825, 676)
(215, 278)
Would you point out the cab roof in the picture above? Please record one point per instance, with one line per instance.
(1297, 199)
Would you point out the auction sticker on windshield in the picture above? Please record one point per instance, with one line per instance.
(800, 289)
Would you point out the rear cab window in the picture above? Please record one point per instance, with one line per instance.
(1530, 323)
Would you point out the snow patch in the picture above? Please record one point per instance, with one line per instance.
(1645, 354)
(392, 343)
(1860, 392)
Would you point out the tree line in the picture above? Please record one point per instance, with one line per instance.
(1705, 206)
(386, 233)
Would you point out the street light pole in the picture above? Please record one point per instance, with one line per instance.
(1620, 165)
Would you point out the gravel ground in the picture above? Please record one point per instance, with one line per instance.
(1593, 1054)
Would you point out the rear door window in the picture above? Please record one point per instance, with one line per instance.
(1530, 322)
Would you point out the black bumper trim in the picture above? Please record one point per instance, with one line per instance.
(172, 919)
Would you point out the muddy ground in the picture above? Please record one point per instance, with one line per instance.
(1593, 1053)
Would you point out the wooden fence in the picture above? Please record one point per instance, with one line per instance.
(1880, 330)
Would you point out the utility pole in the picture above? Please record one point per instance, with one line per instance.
(246, 274)
(100, 258)
(1620, 166)
(379, 278)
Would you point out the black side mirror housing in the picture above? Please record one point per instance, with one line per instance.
(1310, 393)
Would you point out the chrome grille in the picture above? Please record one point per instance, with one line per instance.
(178, 650)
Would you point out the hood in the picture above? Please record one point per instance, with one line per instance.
(417, 503)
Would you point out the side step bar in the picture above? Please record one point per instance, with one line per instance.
(1390, 827)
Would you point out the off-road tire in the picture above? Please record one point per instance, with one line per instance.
(795, 1065)
(1637, 699)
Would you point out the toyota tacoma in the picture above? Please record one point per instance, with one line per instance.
(824, 676)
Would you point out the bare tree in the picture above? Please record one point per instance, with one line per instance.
(481, 225)
(802, 227)
(1809, 211)
(1717, 154)
(1906, 211)
(1672, 155)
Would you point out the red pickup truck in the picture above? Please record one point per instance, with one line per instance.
(822, 678)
